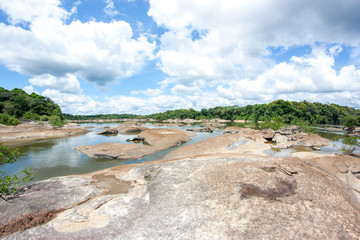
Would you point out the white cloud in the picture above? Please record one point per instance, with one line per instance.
(147, 92)
(110, 8)
(67, 84)
(28, 89)
(95, 51)
(19, 11)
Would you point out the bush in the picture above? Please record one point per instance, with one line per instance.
(44, 118)
(56, 121)
(349, 144)
(8, 120)
(350, 122)
(31, 116)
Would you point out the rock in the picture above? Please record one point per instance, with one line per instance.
(205, 129)
(52, 194)
(131, 130)
(268, 134)
(163, 138)
(116, 150)
(239, 197)
(156, 139)
(246, 141)
(110, 131)
(30, 131)
(234, 130)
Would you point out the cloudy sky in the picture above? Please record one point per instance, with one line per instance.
(147, 56)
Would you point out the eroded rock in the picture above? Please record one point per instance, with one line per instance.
(227, 197)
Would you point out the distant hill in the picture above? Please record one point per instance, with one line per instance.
(17, 104)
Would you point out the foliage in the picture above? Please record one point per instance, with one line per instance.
(19, 104)
(350, 122)
(7, 182)
(349, 144)
(8, 120)
(275, 123)
(303, 112)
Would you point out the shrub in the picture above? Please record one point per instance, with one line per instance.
(31, 116)
(8, 120)
(349, 144)
(56, 121)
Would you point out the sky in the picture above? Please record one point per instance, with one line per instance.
(149, 56)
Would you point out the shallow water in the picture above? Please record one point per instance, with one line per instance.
(58, 157)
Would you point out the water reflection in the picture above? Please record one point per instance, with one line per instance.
(58, 157)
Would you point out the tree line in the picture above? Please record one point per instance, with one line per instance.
(17, 104)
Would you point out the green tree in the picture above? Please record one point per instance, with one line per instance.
(8, 183)
(350, 122)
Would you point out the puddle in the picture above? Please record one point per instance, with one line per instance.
(112, 184)
(238, 143)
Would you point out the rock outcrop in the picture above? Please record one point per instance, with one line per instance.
(154, 140)
(31, 131)
(131, 130)
(212, 197)
(110, 131)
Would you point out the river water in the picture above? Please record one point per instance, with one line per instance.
(57, 157)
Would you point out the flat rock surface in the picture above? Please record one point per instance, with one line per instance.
(116, 150)
(242, 140)
(131, 129)
(213, 197)
(30, 131)
(154, 140)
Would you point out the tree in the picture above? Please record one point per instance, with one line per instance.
(350, 122)
(8, 183)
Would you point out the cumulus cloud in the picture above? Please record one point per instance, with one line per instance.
(95, 51)
(225, 44)
(67, 84)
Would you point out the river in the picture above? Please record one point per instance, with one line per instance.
(57, 157)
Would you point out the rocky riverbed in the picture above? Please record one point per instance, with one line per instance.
(30, 131)
(225, 187)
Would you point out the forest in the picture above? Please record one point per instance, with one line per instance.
(17, 104)
(285, 111)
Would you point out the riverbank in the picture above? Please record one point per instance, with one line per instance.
(31, 131)
(224, 186)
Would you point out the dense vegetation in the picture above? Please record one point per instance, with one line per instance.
(290, 112)
(17, 104)
(279, 111)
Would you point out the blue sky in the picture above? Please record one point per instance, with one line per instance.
(147, 56)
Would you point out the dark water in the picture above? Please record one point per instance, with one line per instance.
(57, 157)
